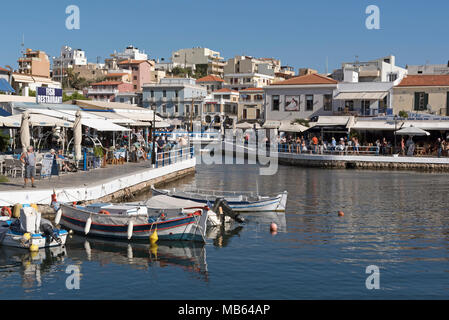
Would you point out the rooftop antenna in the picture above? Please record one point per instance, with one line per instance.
(327, 66)
(22, 51)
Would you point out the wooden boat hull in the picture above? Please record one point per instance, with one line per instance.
(188, 227)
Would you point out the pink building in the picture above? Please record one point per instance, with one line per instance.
(141, 71)
(107, 90)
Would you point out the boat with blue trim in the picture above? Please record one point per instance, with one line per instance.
(30, 231)
(238, 201)
(128, 222)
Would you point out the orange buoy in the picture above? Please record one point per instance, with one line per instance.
(273, 228)
(341, 213)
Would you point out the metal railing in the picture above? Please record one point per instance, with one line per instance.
(335, 150)
(173, 156)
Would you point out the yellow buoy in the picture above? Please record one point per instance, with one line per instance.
(27, 236)
(154, 237)
(153, 249)
(33, 205)
(34, 248)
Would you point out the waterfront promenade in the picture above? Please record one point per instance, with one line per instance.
(114, 181)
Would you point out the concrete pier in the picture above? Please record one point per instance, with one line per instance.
(114, 182)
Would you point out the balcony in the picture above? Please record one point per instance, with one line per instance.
(102, 91)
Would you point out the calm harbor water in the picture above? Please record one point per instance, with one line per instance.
(397, 221)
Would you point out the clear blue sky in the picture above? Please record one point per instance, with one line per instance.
(300, 33)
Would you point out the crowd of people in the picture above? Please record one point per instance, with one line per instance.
(313, 144)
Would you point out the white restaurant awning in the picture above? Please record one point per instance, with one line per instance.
(102, 125)
(271, 124)
(428, 125)
(37, 120)
(325, 121)
(376, 125)
(286, 126)
(361, 95)
(146, 115)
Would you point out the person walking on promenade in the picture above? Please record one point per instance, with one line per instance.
(440, 146)
(403, 146)
(29, 159)
(315, 144)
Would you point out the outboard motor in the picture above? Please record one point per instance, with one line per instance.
(227, 211)
(47, 229)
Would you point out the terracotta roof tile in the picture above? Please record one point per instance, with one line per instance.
(306, 80)
(225, 90)
(210, 78)
(4, 70)
(133, 61)
(424, 80)
(107, 83)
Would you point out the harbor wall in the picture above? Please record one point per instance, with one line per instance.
(116, 187)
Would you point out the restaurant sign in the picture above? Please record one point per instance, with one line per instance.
(48, 95)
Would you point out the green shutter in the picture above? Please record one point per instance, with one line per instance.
(447, 104)
(426, 100)
(416, 101)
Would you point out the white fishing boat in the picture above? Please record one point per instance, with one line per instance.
(132, 222)
(239, 201)
(30, 231)
(159, 204)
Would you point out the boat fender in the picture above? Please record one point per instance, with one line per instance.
(16, 210)
(163, 216)
(154, 237)
(87, 226)
(34, 248)
(104, 212)
(130, 229)
(197, 213)
(58, 216)
(6, 211)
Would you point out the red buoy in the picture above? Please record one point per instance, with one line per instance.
(341, 213)
(273, 228)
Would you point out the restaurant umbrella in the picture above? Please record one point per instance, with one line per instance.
(77, 133)
(25, 131)
(412, 131)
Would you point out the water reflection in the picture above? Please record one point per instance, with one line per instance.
(188, 255)
(30, 265)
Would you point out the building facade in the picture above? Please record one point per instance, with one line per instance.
(301, 97)
(221, 108)
(108, 90)
(251, 102)
(174, 97)
(211, 60)
(428, 69)
(34, 63)
(140, 71)
(211, 82)
(422, 94)
(366, 88)
(69, 58)
(240, 81)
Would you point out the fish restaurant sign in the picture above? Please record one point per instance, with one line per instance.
(48, 95)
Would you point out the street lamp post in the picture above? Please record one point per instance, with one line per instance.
(153, 136)
(395, 128)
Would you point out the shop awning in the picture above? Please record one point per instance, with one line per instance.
(37, 120)
(10, 122)
(144, 115)
(102, 125)
(286, 126)
(428, 125)
(5, 86)
(361, 95)
(376, 125)
(327, 121)
(271, 124)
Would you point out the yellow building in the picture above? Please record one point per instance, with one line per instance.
(422, 93)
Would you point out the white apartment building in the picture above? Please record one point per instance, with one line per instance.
(367, 87)
(240, 81)
(199, 56)
(428, 69)
(69, 58)
(131, 53)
